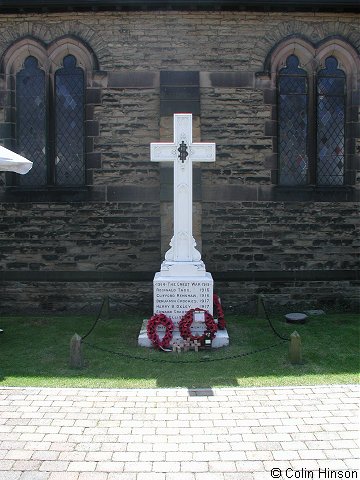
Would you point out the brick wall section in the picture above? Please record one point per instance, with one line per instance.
(235, 119)
(128, 121)
(284, 296)
(278, 236)
(112, 229)
(201, 41)
(81, 297)
(80, 237)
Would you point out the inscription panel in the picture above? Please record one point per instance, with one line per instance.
(176, 297)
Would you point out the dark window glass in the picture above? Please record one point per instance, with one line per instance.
(293, 123)
(330, 124)
(31, 121)
(69, 123)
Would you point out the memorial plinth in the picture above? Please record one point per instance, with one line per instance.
(182, 283)
(174, 296)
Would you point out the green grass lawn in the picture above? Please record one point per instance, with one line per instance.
(34, 351)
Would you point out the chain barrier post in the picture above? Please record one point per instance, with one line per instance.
(76, 353)
(295, 354)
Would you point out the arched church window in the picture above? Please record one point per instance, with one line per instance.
(31, 120)
(50, 123)
(69, 123)
(316, 87)
(293, 123)
(330, 123)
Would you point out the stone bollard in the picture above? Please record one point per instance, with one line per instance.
(295, 354)
(76, 353)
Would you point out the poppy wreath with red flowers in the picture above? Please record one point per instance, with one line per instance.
(153, 323)
(219, 312)
(187, 320)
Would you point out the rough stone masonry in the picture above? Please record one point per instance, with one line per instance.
(62, 249)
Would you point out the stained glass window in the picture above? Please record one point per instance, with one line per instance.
(330, 124)
(31, 121)
(293, 123)
(69, 115)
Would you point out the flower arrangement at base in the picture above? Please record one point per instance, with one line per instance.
(187, 320)
(153, 323)
(219, 312)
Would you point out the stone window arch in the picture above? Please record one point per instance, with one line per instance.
(315, 111)
(46, 109)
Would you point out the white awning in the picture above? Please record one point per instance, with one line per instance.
(12, 162)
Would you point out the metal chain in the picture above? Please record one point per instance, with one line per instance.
(270, 323)
(162, 360)
(100, 312)
(96, 320)
(201, 360)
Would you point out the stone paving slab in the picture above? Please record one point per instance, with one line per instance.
(179, 434)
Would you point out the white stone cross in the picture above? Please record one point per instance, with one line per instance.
(183, 152)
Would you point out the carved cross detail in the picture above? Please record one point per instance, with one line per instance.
(183, 153)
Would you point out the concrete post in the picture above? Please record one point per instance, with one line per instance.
(295, 354)
(76, 354)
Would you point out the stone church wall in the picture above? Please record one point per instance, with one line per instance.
(60, 251)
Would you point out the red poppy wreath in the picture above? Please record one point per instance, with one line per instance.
(187, 320)
(153, 323)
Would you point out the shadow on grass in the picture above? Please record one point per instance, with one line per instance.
(34, 351)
